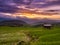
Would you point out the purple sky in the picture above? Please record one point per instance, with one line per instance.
(12, 5)
(8, 7)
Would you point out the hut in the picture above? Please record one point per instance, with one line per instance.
(48, 26)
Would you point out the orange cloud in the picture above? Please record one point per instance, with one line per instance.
(38, 16)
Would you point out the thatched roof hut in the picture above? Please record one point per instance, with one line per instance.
(48, 26)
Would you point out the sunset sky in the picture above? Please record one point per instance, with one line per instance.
(30, 9)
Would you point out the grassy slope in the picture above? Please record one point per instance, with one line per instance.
(12, 35)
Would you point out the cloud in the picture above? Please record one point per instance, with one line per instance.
(45, 3)
(53, 7)
(25, 2)
(8, 6)
(6, 15)
(11, 6)
(41, 3)
(51, 0)
(8, 9)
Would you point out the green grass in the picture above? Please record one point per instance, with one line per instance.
(12, 35)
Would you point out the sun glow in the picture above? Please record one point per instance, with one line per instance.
(37, 16)
(27, 15)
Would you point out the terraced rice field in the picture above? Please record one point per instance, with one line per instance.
(30, 35)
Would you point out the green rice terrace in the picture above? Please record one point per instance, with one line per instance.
(29, 36)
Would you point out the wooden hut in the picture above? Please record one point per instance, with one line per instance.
(48, 26)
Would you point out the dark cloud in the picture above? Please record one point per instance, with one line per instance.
(51, 3)
(7, 9)
(23, 2)
(47, 3)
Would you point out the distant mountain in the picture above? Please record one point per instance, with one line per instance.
(48, 21)
(3, 18)
(23, 21)
(12, 23)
